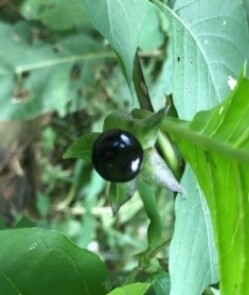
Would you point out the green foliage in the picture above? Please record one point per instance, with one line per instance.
(82, 147)
(57, 15)
(216, 146)
(152, 34)
(52, 60)
(204, 37)
(193, 256)
(120, 23)
(154, 168)
(133, 289)
(161, 284)
(37, 76)
(47, 262)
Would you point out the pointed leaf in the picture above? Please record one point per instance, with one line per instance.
(120, 119)
(144, 125)
(120, 193)
(216, 144)
(156, 170)
(82, 148)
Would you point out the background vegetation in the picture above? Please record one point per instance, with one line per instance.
(65, 66)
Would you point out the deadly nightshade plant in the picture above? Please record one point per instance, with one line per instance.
(134, 140)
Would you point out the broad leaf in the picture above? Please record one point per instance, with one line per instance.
(193, 256)
(120, 23)
(209, 43)
(203, 56)
(46, 262)
(6, 286)
(216, 145)
(132, 289)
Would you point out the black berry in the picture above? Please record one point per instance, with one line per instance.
(117, 155)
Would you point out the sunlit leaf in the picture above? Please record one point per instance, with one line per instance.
(216, 144)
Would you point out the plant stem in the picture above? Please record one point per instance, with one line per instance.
(140, 85)
(156, 250)
(168, 152)
(179, 128)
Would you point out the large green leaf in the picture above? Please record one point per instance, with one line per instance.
(192, 250)
(209, 42)
(216, 144)
(208, 46)
(6, 286)
(120, 23)
(38, 77)
(38, 261)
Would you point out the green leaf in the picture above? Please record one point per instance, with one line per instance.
(161, 284)
(2, 224)
(132, 289)
(120, 193)
(121, 119)
(148, 128)
(82, 148)
(46, 262)
(203, 56)
(6, 286)
(209, 42)
(142, 124)
(120, 23)
(193, 257)
(56, 14)
(152, 36)
(36, 76)
(216, 145)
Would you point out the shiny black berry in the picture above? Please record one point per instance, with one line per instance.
(117, 155)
